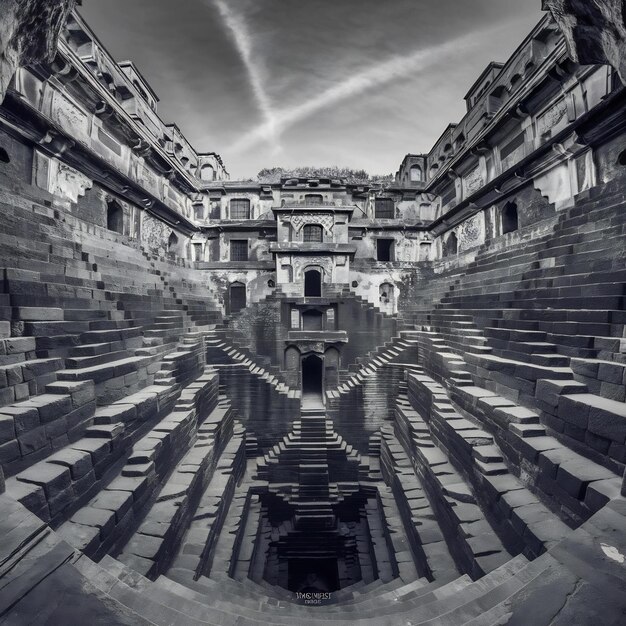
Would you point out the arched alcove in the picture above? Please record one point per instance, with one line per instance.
(4, 156)
(332, 359)
(510, 220)
(312, 283)
(115, 217)
(172, 242)
(292, 365)
(207, 173)
(451, 246)
(387, 298)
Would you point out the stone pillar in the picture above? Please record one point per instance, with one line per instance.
(29, 32)
(595, 32)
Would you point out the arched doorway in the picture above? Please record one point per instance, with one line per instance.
(115, 217)
(312, 381)
(312, 284)
(236, 298)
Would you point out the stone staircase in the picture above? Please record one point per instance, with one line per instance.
(542, 325)
(577, 577)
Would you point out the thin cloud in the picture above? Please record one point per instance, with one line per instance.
(236, 25)
(387, 71)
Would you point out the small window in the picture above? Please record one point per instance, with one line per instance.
(416, 174)
(314, 199)
(238, 249)
(313, 233)
(4, 156)
(207, 173)
(240, 209)
(384, 208)
(621, 159)
(384, 250)
(198, 212)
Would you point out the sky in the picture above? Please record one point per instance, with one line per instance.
(353, 83)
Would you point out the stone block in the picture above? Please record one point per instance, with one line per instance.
(37, 314)
(574, 410)
(7, 428)
(33, 440)
(31, 496)
(50, 406)
(549, 391)
(53, 478)
(85, 538)
(79, 462)
(81, 392)
(120, 502)
(9, 452)
(61, 501)
(100, 518)
(607, 418)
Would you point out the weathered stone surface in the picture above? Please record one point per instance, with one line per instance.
(595, 31)
(28, 33)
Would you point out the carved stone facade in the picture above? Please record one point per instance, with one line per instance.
(595, 31)
(29, 30)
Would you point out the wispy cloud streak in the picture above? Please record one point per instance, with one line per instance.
(376, 76)
(236, 25)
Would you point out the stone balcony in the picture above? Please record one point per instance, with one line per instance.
(317, 336)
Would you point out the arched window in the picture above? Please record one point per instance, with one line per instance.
(312, 284)
(240, 209)
(115, 217)
(172, 242)
(510, 222)
(451, 247)
(313, 199)
(207, 173)
(621, 159)
(416, 174)
(4, 156)
(313, 233)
